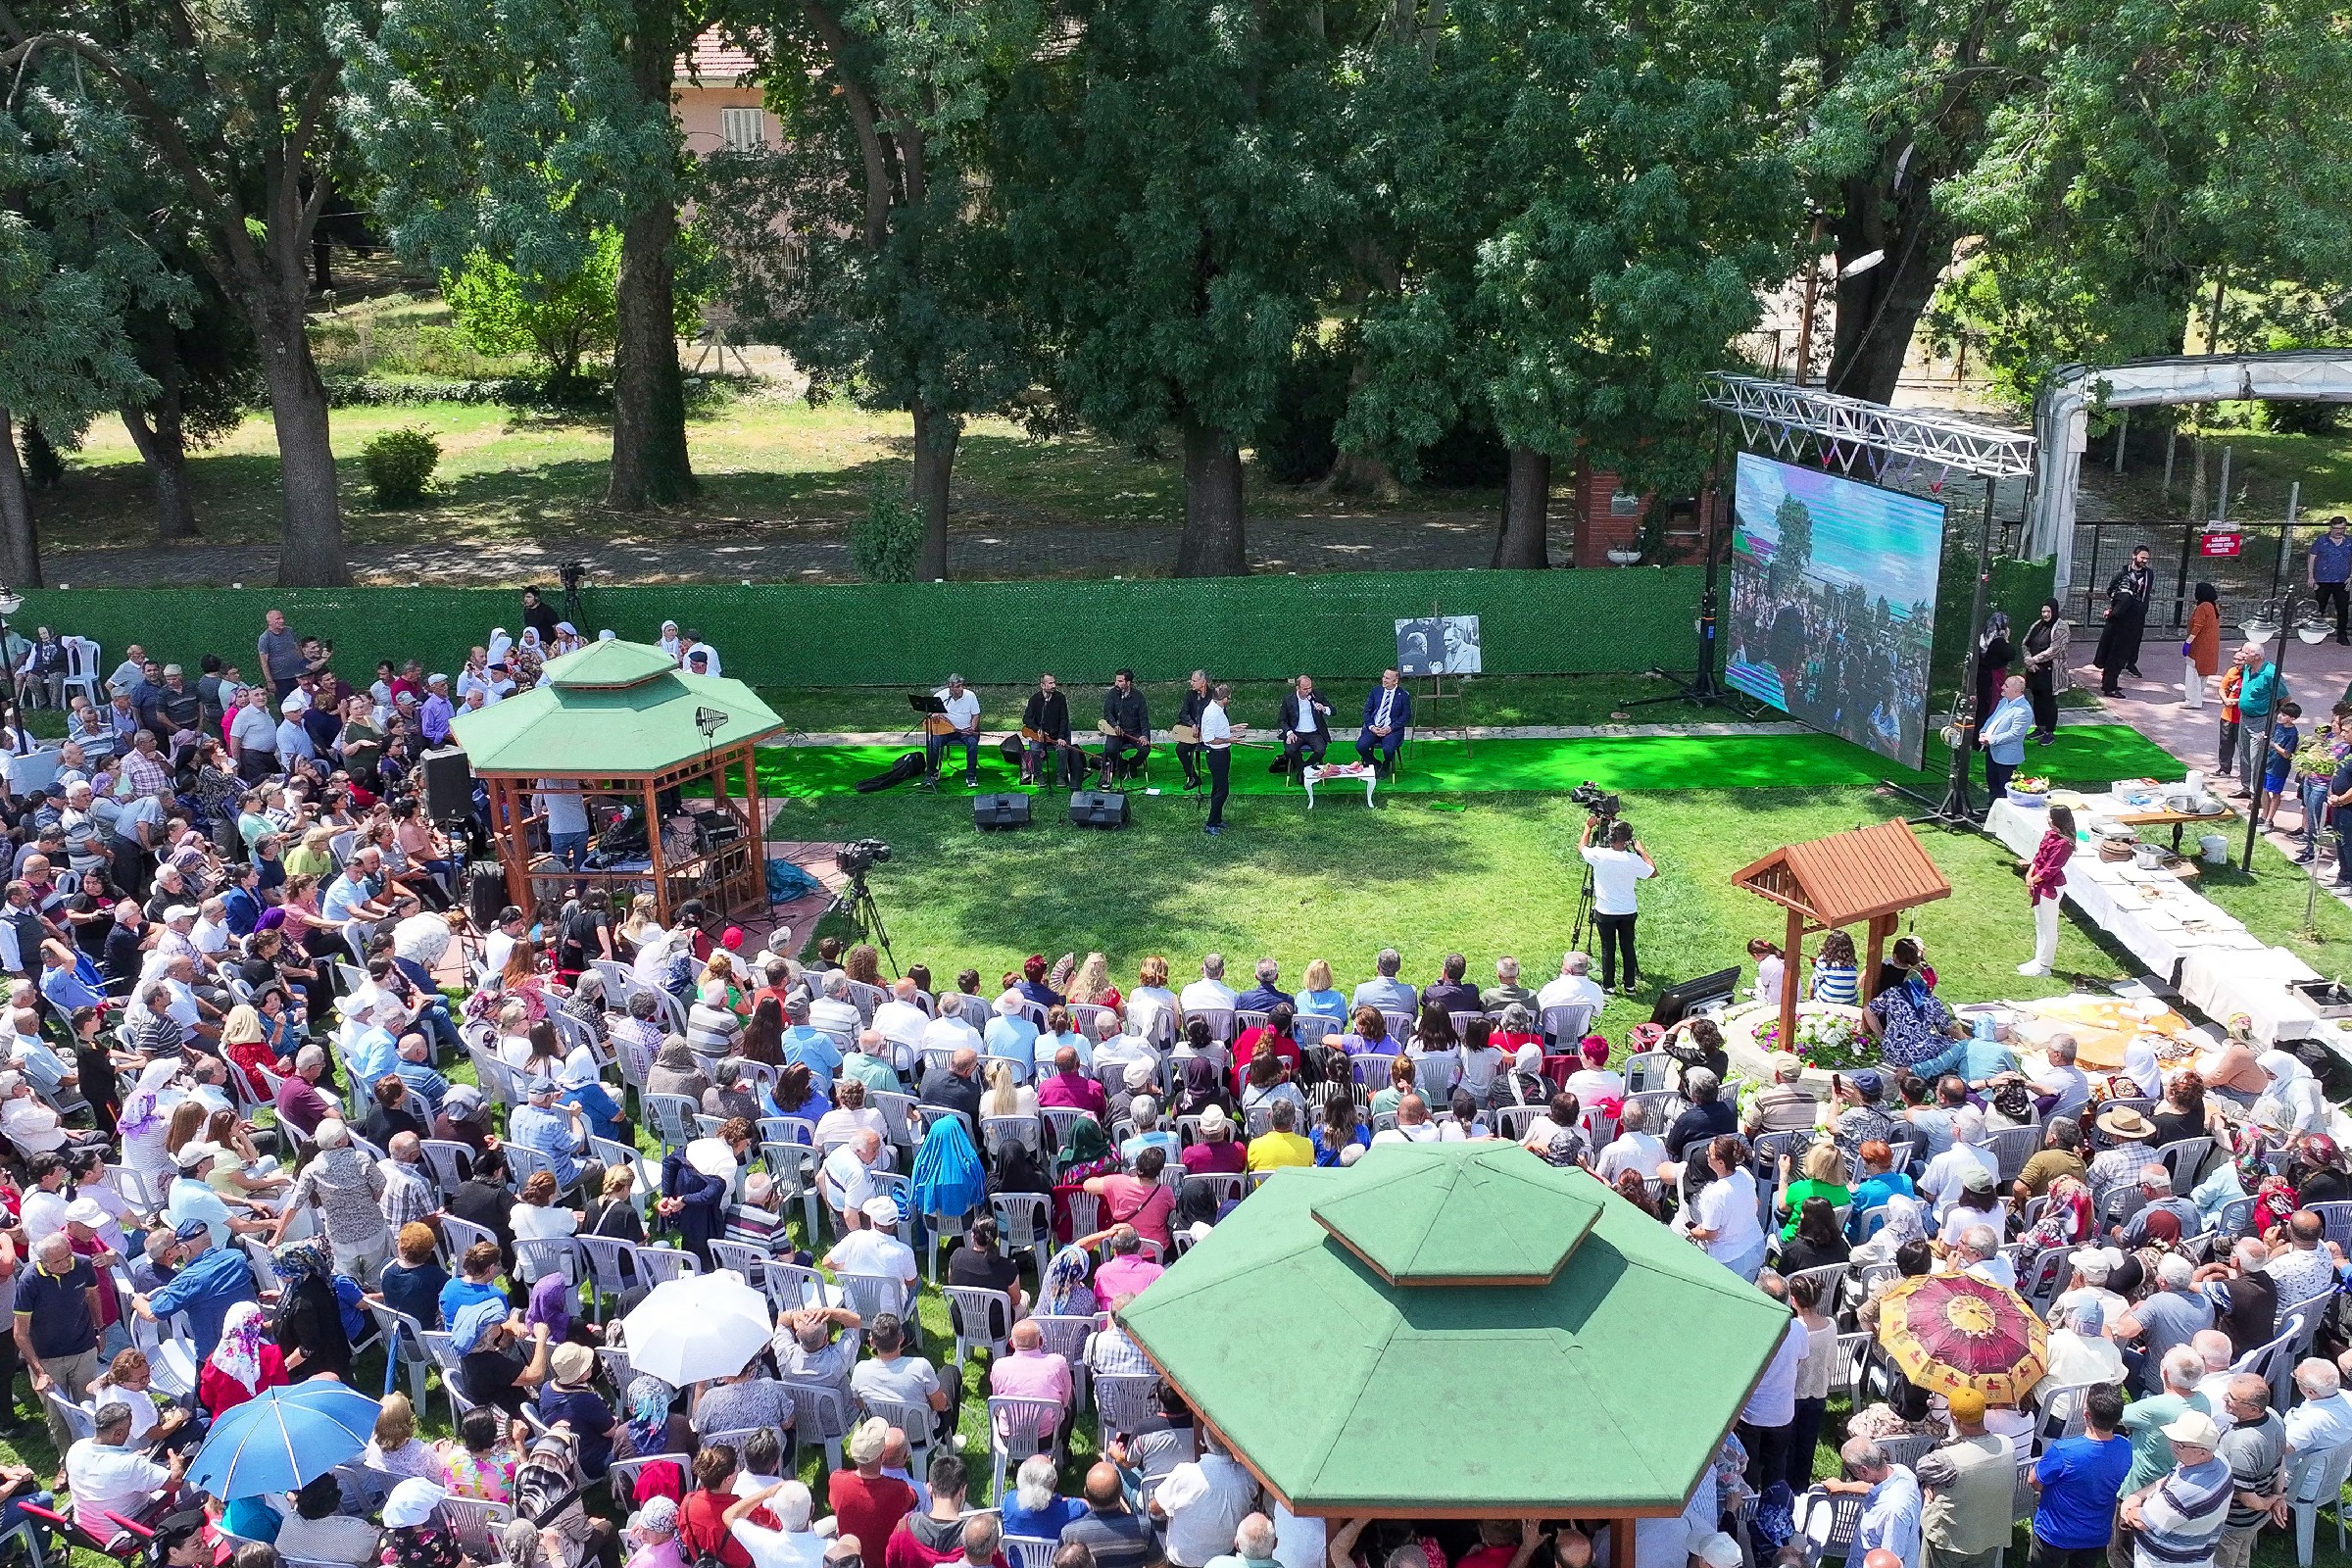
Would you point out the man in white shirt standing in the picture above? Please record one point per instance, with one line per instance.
(962, 710)
(566, 812)
(1616, 868)
(1216, 736)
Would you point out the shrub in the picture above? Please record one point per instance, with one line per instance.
(400, 463)
(885, 543)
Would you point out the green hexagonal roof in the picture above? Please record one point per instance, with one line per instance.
(1492, 1218)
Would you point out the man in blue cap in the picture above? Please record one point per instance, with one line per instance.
(1864, 1118)
(210, 1280)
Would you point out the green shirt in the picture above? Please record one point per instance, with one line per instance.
(1799, 1190)
(2151, 1449)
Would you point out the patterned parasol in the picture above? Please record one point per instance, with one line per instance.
(1947, 1332)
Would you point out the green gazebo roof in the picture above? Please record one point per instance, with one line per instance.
(609, 711)
(1458, 1329)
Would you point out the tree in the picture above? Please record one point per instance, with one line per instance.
(1166, 169)
(203, 375)
(868, 244)
(1588, 195)
(1792, 548)
(565, 322)
(525, 129)
(2170, 158)
(235, 110)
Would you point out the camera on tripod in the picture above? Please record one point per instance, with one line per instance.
(1599, 805)
(572, 574)
(860, 857)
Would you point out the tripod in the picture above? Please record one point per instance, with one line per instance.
(1583, 910)
(856, 900)
(1703, 689)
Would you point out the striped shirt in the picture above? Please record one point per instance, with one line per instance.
(2181, 1519)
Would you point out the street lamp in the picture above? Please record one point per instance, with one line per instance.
(2259, 629)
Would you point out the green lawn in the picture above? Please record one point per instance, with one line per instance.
(1484, 875)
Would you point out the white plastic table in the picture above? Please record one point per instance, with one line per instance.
(1315, 775)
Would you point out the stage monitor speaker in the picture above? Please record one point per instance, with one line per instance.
(1103, 808)
(448, 784)
(995, 814)
(485, 894)
(1676, 1002)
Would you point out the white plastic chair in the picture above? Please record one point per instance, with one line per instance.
(982, 1317)
(1018, 1430)
(2316, 1481)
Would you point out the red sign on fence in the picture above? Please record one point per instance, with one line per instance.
(2220, 544)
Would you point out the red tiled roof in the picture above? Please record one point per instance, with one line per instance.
(715, 61)
(1849, 876)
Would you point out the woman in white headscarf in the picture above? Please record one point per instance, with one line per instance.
(2301, 1105)
(145, 1120)
(500, 644)
(415, 1535)
(2143, 1068)
(671, 643)
(1905, 1222)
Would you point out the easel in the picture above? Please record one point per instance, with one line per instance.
(1438, 695)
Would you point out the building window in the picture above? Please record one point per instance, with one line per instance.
(743, 130)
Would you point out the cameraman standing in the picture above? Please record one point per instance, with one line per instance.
(1616, 868)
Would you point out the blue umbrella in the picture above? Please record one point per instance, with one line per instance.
(283, 1438)
(946, 1174)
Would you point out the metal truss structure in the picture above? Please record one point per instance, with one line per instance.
(1806, 424)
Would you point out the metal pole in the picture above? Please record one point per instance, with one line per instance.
(2287, 537)
(2172, 440)
(2261, 757)
(1955, 807)
(2123, 434)
(2221, 499)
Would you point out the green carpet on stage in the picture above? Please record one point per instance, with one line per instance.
(2092, 754)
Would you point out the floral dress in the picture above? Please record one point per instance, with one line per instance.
(422, 1546)
(1914, 1024)
(484, 1477)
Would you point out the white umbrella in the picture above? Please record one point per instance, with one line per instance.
(696, 1326)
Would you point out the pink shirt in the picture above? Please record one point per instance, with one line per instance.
(1124, 1276)
(1031, 1375)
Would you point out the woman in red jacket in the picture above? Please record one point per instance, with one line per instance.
(244, 1363)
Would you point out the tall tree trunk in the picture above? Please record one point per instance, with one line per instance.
(1212, 545)
(936, 432)
(20, 548)
(310, 552)
(650, 466)
(1877, 310)
(156, 429)
(1526, 512)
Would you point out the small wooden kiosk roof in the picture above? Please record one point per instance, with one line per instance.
(1864, 875)
(1860, 874)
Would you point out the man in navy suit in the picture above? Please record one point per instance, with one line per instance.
(1305, 726)
(1387, 714)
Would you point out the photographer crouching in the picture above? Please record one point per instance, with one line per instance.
(1617, 865)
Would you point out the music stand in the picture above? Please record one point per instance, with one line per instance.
(926, 705)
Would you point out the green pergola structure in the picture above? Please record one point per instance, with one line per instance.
(1459, 1331)
(618, 721)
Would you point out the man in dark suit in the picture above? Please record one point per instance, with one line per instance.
(1267, 994)
(1130, 717)
(1047, 714)
(1305, 725)
(1387, 714)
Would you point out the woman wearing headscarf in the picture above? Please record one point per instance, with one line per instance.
(2316, 1170)
(2045, 667)
(242, 1364)
(1905, 1222)
(1067, 1291)
(2302, 1107)
(309, 1325)
(653, 1537)
(415, 1535)
(676, 1072)
(653, 1426)
(2066, 1218)
(1909, 1022)
(2141, 1070)
(1993, 654)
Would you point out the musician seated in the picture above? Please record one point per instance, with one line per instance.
(1188, 723)
(1305, 725)
(1387, 714)
(961, 709)
(1126, 726)
(1045, 731)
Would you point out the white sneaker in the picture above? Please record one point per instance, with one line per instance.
(2032, 968)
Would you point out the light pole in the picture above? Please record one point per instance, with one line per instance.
(2259, 630)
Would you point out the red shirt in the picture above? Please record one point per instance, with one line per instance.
(1216, 1160)
(1285, 1048)
(703, 1529)
(872, 1509)
(220, 1393)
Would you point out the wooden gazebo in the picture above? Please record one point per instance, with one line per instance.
(1867, 874)
(621, 727)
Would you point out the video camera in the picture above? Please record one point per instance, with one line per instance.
(862, 858)
(1599, 805)
(572, 574)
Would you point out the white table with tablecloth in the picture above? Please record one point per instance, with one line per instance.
(2158, 917)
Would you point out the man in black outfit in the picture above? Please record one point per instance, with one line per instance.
(1130, 717)
(539, 614)
(1047, 716)
(954, 1087)
(1188, 716)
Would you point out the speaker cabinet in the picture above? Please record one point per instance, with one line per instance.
(1102, 809)
(998, 814)
(448, 784)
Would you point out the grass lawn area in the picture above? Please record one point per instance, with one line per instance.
(762, 458)
(1480, 874)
